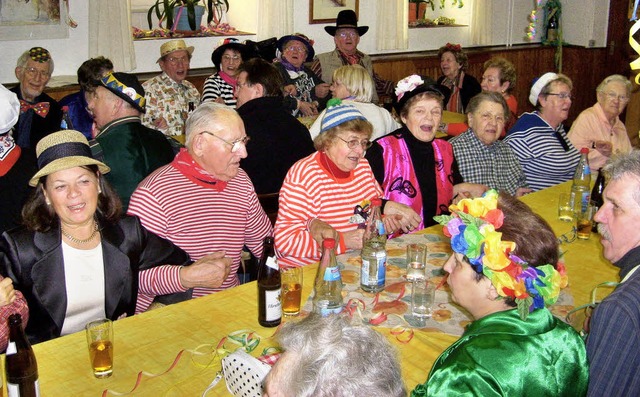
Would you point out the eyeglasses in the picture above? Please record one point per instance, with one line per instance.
(34, 72)
(344, 35)
(613, 96)
(176, 61)
(562, 95)
(229, 58)
(568, 237)
(235, 145)
(365, 143)
(295, 49)
(488, 117)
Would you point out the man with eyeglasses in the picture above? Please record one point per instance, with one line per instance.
(40, 114)
(599, 127)
(170, 97)
(278, 139)
(203, 201)
(346, 35)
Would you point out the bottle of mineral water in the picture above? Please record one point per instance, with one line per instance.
(374, 251)
(327, 295)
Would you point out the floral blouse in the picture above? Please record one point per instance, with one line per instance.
(170, 100)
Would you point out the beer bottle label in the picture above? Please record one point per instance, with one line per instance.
(13, 390)
(272, 304)
(272, 263)
(11, 348)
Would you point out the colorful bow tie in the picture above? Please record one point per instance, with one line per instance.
(41, 108)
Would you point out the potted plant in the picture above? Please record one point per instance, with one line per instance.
(417, 9)
(167, 10)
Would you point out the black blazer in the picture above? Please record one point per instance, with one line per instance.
(34, 262)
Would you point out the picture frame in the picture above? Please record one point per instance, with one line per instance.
(326, 11)
(33, 21)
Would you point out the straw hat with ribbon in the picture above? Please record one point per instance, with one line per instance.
(174, 45)
(63, 150)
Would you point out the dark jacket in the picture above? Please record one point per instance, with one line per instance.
(132, 151)
(470, 88)
(40, 126)
(34, 262)
(277, 141)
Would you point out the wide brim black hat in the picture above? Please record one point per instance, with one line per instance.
(346, 19)
(245, 52)
(302, 39)
(126, 86)
(427, 86)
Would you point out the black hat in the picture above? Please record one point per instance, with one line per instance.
(301, 38)
(346, 19)
(127, 87)
(233, 44)
(414, 85)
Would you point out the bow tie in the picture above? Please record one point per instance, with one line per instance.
(41, 108)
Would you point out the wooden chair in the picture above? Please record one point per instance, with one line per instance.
(269, 202)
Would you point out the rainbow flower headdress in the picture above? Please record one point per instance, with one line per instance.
(472, 229)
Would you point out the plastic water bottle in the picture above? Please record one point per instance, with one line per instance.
(374, 251)
(327, 296)
(581, 188)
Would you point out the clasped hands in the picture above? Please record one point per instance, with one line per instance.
(210, 271)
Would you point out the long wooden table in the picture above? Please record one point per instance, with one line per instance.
(151, 341)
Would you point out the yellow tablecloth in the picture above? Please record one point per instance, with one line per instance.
(150, 341)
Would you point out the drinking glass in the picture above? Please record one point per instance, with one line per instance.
(565, 207)
(416, 261)
(423, 294)
(100, 343)
(584, 220)
(291, 279)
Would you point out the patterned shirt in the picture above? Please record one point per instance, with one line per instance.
(546, 155)
(169, 100)
(18, 306)
(495, 165)
(215, 87)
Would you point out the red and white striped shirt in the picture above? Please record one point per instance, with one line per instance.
(201, 220)
(310, 191)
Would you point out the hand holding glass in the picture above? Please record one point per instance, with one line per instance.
(100, 342)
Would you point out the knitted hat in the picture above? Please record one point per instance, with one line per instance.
(174, 45)
(538, 85)
(233, 44)
(302, 39)
(127, 87)
(39, 54)
(63, 150)
(337, 113)
(346, 19)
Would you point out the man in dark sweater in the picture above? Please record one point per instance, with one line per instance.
(277, 138)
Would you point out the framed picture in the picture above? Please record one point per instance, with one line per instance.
(33, 20)
(326, 11)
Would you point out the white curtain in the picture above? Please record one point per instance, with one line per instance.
(481, 22)
(275, 18)
(110, 32)
(392, 24)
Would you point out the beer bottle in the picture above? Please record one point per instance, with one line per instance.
(327, 295)
(552, 27)
(374, 252)
(596, 196)
(20, 366)
(269, 286)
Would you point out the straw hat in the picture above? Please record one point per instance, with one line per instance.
(63, 150)
(174, 45)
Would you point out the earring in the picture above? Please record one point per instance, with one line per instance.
(48, 202)
(99, 191)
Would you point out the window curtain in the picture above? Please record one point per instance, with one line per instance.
(275, 18)
(110, 32)
(392, 24)
(481, 22)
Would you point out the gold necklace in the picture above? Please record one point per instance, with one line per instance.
(78, 241)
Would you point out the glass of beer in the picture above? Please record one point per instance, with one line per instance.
(291, 290)
(584, 220)
(100, 342)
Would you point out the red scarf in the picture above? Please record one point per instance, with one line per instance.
(196, 174)
(232, 81)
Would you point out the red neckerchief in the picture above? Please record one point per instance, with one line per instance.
(232, 81)
(196, 174)
(351, 59)
(41, 108)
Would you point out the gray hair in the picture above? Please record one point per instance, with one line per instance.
(24, 59)
(325, 349)
(488, 96)
(624, 164)
(615, 78)
(206, 115)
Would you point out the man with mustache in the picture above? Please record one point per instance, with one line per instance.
(613, 345)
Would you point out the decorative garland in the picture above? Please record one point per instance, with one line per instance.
(635, 65)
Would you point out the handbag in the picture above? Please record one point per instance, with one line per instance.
(244, 373)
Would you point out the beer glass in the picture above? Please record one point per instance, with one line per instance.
(584, 220)
(291, 279)
(100, 343)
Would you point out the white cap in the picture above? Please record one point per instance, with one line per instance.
(9, 109)
(539, 85)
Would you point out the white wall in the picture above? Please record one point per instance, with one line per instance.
(584, 20)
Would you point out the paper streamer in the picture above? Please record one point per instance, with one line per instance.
(635, 65)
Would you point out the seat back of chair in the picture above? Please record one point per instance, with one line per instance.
(269, 202)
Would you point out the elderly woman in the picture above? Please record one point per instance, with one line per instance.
(504, 279)
(221, 85)
(318, 350)
(599, 128)
(538, 138)
(76, 259)
(483, 158)
(354, 86)
(412, 166)
(499, 76)
(453, 63)
(299, 81)
(327, 193)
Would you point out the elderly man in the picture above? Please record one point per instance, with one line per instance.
(613, 345)
(130, 149)
(481, 157)
(319, 351)
(599, 127)
(170, 97)
(40, 114)
(203, 201)
(346, 35)
(277, 138)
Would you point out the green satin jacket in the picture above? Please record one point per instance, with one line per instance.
(501, 355)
